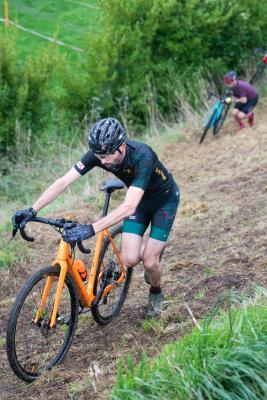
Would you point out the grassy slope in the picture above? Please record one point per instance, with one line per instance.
(218, 242)
(225, 358)
(66, 20)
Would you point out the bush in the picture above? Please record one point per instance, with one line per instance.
(151, 46)
(25, 101)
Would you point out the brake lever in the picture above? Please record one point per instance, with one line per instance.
(82, 248)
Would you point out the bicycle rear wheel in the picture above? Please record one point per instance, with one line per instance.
(106, 308)
(208, 125)
(220, 121)
(33, 348)
(257, 74)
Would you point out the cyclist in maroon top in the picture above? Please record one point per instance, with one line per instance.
(245, 97)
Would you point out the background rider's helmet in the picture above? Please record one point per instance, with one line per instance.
(229, 77)
(106, 136)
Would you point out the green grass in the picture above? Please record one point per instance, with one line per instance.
(225, 360)
(66, 20)
(12, 252)
(152, 326)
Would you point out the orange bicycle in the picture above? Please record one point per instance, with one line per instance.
(44, 317)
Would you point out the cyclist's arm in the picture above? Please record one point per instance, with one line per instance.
(58, 187)
(243, 99)
(128, 207)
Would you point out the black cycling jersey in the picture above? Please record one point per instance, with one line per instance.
(140, 168)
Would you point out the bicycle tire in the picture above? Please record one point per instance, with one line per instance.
(31, 347)
(220, 121)
(101, 312)
(257, 74)
(208, 125)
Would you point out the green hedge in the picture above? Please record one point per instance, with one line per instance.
(26, 101)
(153, 45)
(146, 57)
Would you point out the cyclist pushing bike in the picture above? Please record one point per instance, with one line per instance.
(152, 198)
(245, 98)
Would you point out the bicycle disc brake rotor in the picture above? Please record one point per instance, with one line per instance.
(112, 274)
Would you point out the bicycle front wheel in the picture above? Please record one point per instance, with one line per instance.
(109, 270)
(208, 125)
(220, 121)
(34, 347)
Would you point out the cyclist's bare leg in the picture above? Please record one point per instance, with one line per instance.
(151, 262)
(239, 116)
(131, 248)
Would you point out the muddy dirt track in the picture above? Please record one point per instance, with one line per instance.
(219, 241)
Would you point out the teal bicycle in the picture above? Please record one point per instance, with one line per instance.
(218, 114)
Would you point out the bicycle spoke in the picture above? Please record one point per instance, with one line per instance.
(110, 303)
(33, 346)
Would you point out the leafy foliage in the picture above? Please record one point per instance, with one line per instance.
(144, 59)
(151, 46)
(25, 101)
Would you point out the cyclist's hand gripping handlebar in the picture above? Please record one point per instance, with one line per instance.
(57, 223)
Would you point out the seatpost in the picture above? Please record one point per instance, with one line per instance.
(105, 209)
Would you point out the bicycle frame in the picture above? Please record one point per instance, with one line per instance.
(261, 65)
(68, 265)
(218, 106)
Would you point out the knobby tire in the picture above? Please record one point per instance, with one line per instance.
(208, 126)
(256, 77)
(101, 312)
(31, 348)
(220, 121)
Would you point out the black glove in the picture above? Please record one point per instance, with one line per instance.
(21, 217)
(77, 232)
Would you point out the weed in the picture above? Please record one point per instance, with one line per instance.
(200, 294)
(228, 211)
(208, 272)
(152, 325)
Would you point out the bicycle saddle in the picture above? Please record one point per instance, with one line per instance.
(112, 184)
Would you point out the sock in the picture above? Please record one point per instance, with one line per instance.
(155, 290)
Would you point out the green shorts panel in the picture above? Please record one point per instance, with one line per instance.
(130, 226)
(159, 234)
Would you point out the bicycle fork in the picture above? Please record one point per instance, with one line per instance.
(63, 259)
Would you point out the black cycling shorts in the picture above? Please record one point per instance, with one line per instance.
(248, 106)
(160, 216)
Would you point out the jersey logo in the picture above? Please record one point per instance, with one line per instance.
(80, 165)
(132, 217)
(128, 171)
(160, 173)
